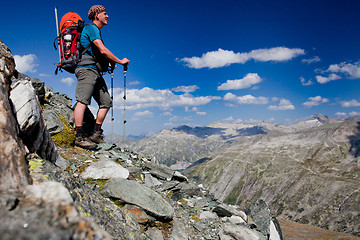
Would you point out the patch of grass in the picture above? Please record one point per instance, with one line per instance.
(66, 137)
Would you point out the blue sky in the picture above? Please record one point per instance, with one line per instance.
(198, 62)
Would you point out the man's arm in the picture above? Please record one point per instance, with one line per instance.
(109, 55)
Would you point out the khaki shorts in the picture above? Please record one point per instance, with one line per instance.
(91, 84)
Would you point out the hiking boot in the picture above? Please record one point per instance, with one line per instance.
(84, 142)
(97, 137)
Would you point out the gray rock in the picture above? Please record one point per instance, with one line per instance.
(14, 170)
(138, 214)
(179, 177)
(53, 122)
(31, 120)
(46, 211)
(275, 233)
(179, 231)
(150, 181)
(62, 162)
(106, 147)
(137, 194)
(236, 220)
(187, 188)
(62, 105)
(26, 106)
(39, 87)
(48, 91)
(206, 215)
(49, 192)
(227, 210)
(160, 171)
(154, 234)
(105, 169)
(260, 214)
(239, 232)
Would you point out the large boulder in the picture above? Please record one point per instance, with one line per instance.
(45, 211)
(31, 121)
(14, 172)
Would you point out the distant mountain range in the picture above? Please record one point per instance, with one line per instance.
(180, 146)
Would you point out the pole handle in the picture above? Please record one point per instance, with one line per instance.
(125, 68)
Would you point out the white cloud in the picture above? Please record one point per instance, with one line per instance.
(195, 109)
(340, 114)
(246, 82)
(201, 113)
(229, 119)
(284, 104)
(277, 54)
(221, 58)
(352, 103)
(44, 75)
(247, 99)
(331, 77)
(69, 81)
(134, 83)
(315, 101)
(166, 114)
(180, 119)
(311, 60)
(26, 63)
(304, 83)
(353, 113)
(169, 124)
(351, 71)
(145, 113)
(186, 89)
(164, 99)
(342, 70)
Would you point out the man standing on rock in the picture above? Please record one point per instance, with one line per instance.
(90, 82)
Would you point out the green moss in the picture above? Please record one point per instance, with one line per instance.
(195, 218)
(35, 163)
(99, 182)
(66, 137)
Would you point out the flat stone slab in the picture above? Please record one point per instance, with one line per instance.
(134, 193)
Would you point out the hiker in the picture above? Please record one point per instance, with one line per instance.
(90, 82)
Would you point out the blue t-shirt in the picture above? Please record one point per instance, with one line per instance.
(90, 33)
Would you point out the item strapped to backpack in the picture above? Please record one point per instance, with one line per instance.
(71, 26)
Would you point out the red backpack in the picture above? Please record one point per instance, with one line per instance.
(71, 26)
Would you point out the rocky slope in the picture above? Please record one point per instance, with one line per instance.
(310, 175)
(53, 190)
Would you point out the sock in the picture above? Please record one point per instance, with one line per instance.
(97, 127)
(79, 130)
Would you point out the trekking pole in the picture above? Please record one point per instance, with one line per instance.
(112, 100)
(57, 31)
(125, 70)
(112, 94)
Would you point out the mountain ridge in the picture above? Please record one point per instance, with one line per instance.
(189, 144)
